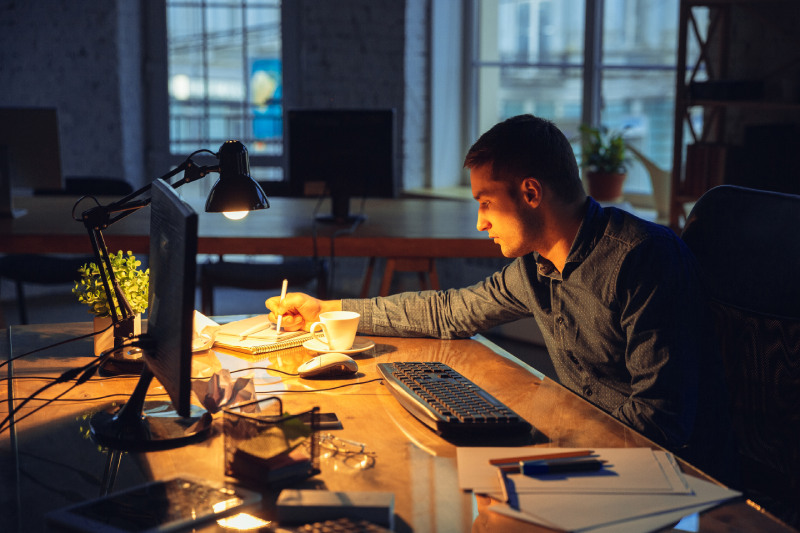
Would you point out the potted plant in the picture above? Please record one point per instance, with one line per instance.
(134, 283)
(604, 157)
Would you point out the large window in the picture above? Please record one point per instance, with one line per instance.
(611, 62)
(224, 68)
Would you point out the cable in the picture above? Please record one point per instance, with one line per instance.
(10, 359)
(323, 390)
(80, 374)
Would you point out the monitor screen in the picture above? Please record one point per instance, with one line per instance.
(343, 153)
(30, 156)
(141, 425)
(173, 251)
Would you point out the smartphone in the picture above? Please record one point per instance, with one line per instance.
(326, 420)
(155, 507)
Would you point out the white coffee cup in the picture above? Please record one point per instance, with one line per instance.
(339, 328)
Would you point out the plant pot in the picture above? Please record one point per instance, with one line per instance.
(105, 340)
(605, 186)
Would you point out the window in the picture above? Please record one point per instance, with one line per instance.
(225, 78)
(542, 57)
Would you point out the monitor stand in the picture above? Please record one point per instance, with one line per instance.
(340, 212)
(6, 191)
(140, 426)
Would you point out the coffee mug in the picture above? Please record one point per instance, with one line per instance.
(339, 328)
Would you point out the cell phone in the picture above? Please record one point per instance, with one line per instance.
(155, 507)
(326, 420)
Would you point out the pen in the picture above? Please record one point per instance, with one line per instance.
(541, 457)
(538, 468)
(283, 295)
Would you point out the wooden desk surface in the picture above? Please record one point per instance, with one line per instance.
(58, 464)
(394, 227)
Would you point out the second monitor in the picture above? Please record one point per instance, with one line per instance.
(345, 153)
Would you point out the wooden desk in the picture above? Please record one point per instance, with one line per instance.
(55, 463)
(421, 228)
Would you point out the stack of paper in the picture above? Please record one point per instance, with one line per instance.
(638, 489)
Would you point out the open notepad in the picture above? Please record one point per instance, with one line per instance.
(261, 341)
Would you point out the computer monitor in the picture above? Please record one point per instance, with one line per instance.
(167, 345)
(344, 153)
(30, 155)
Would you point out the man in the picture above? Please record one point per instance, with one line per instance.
(617, 298)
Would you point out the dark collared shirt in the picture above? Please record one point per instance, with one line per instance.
(624, 323)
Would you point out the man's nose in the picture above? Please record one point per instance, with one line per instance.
(483, 224)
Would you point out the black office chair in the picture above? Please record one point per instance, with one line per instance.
(303, 273)
(747, 245)
(44, 269)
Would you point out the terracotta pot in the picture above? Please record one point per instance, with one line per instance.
(605, 186)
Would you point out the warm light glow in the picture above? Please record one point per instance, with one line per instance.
(242, 522)
(235, 215)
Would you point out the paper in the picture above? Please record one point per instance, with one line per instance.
(222, 390)
(613, 512)
(256, 335)
(627, 470)
(204, 332)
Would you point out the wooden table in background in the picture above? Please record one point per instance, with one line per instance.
(393, 228)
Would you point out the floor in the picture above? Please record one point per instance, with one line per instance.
(56, 303)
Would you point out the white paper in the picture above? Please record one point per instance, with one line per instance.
(598, 512)
(627, 470)
(204, 332)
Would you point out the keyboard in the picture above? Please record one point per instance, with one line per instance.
(449, 403)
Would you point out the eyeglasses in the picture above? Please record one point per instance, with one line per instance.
(353, 454)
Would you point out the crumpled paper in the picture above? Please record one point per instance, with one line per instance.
(204, 332)
(222, 390)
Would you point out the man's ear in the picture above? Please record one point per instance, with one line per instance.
(531, 191)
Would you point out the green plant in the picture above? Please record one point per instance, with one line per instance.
(134, 283)
(603, 150)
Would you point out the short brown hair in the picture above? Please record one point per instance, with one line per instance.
(528, 146)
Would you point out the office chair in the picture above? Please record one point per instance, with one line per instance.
(747, 246)
(300, 271)
(46, 269)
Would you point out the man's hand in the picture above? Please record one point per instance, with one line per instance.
(299, 310)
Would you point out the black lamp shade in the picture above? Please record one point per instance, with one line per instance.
(235, 190)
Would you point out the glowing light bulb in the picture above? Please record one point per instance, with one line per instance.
(235, 215)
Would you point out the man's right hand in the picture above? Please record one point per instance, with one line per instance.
(299, 310)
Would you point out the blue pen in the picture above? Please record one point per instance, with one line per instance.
(538, 468)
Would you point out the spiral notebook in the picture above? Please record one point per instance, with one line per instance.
(248, 336)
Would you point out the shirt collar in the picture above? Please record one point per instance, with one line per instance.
(589, 233)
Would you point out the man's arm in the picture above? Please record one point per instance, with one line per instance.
(449, 314)
(662, 322)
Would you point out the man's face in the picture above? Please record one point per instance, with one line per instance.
(509, 221)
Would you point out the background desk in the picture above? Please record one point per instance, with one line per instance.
(394, 228)
(50, 462)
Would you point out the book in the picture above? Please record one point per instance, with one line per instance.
(248, 336)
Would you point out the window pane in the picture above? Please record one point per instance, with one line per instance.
(530, 58)
(225, 75)
(640, 39)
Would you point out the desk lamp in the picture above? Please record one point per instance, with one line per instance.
(234, 194)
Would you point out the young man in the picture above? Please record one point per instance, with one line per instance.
(618, 299)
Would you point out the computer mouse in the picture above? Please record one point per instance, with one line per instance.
(328, 365)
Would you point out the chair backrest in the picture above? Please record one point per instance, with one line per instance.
(747, 243)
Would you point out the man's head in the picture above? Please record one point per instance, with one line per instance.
(527, 146)
(525, 179)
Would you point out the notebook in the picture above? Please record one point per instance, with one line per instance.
(260, 340)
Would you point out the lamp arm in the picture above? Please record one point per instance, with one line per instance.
(100, 217)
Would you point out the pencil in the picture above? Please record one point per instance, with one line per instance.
(283, 295)
(540, 457)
